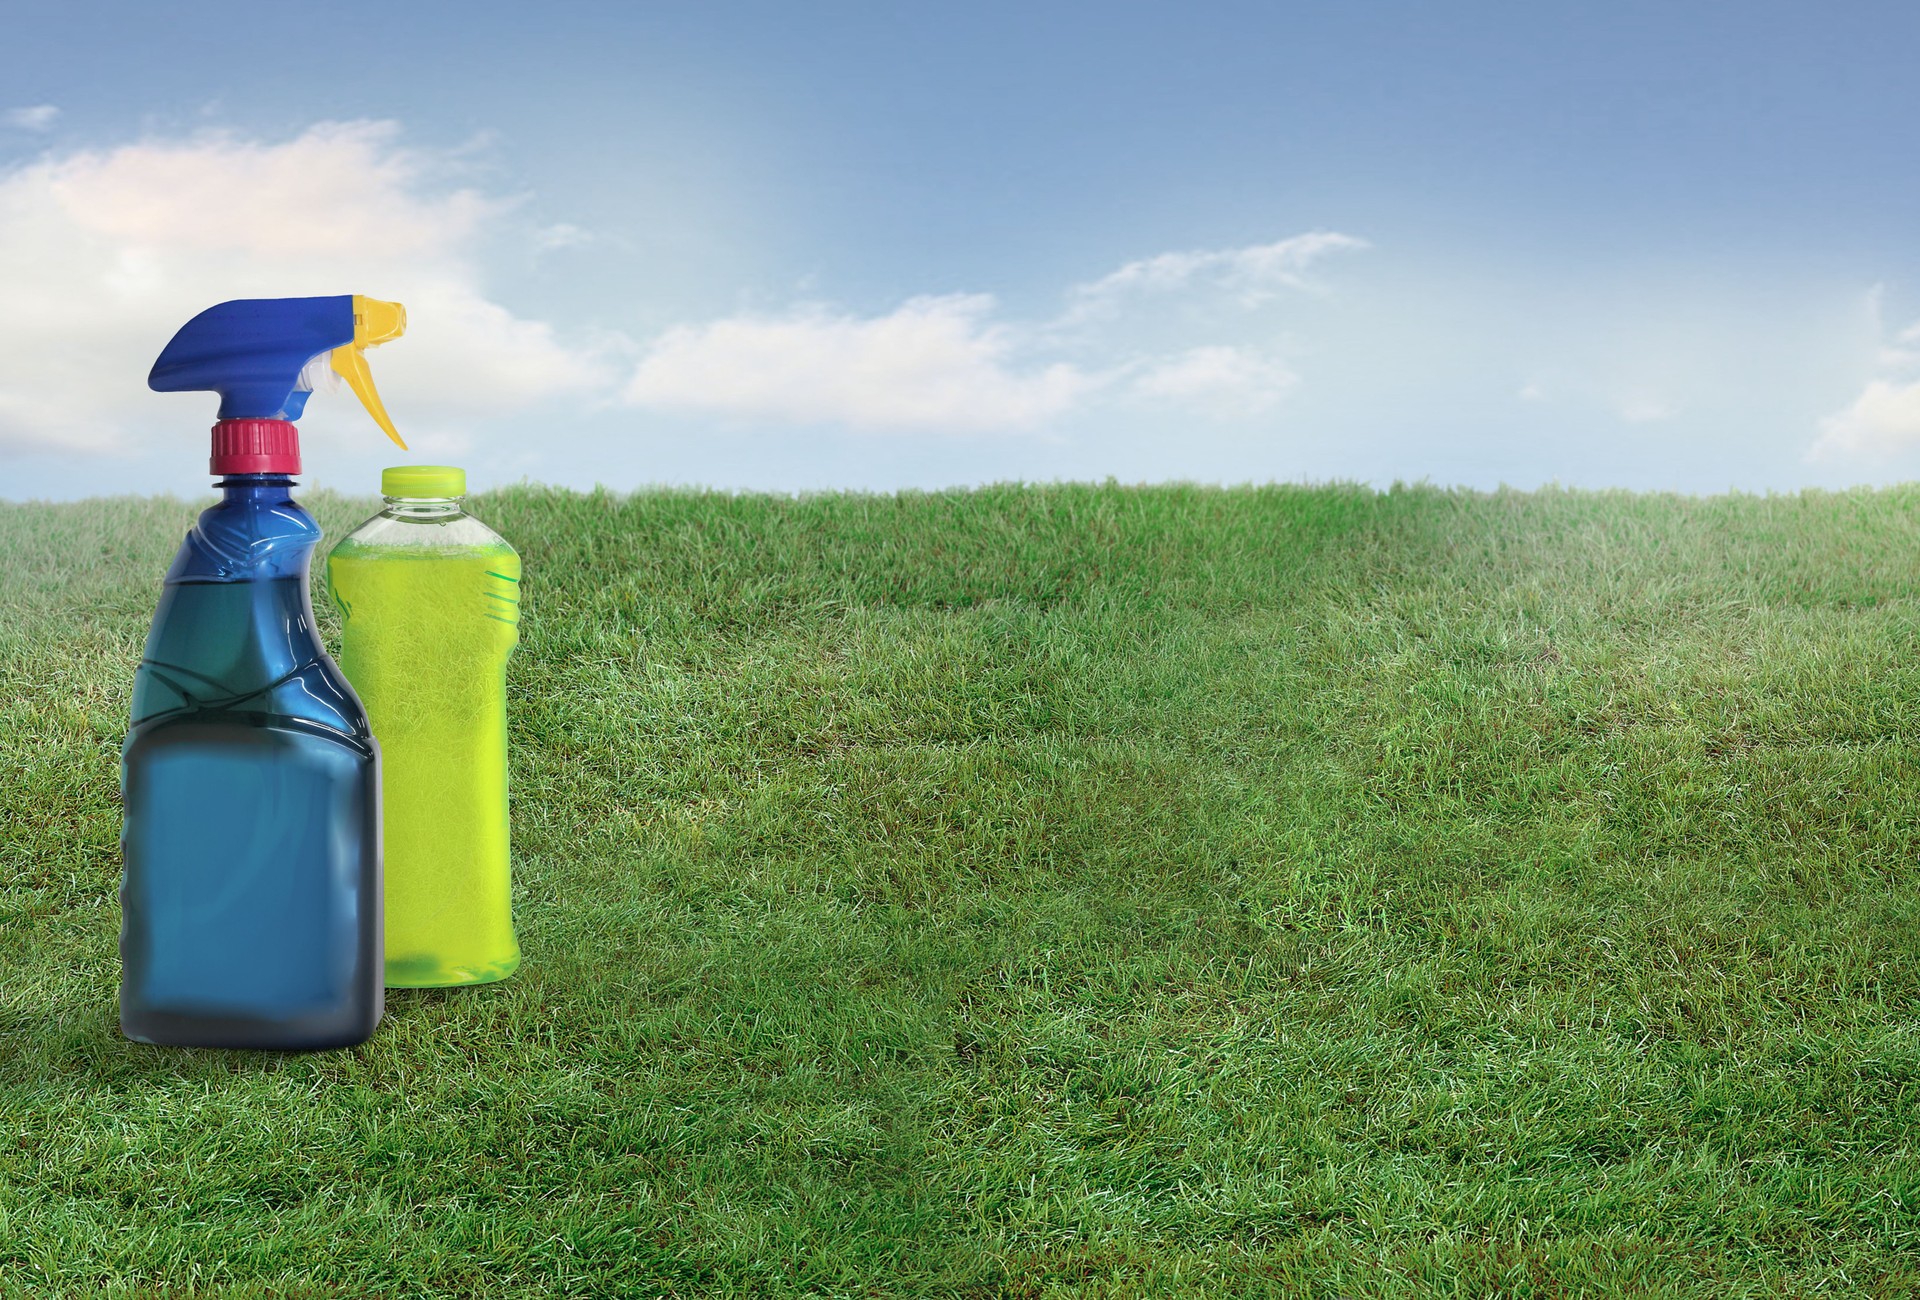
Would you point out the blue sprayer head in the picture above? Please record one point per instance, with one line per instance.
(255, 353)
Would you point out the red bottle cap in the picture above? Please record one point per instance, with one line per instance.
(255, 447)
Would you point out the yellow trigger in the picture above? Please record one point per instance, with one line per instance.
(374, 322)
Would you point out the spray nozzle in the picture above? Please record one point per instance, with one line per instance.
(253, 352)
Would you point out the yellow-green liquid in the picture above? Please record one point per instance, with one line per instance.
(425, 640)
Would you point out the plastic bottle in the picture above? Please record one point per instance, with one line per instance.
(430, 601)
(250, 899)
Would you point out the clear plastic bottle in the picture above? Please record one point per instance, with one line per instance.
(429, 598)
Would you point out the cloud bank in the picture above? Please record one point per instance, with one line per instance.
(106, 252)
(951, 364)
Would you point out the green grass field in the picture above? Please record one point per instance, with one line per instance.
(1058, 891)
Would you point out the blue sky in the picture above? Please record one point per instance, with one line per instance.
(791, 247)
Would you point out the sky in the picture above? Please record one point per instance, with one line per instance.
(793, 247)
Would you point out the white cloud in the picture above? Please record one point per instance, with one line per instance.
(105, 253)
(1885, 418)
(1904, 354)
(1224, 381)
(1252, 275)
(1642, 409)
(933, 364)
(35, 117)
(560, 235)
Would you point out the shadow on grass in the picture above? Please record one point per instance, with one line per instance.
(78, 1047)
(81, 1048)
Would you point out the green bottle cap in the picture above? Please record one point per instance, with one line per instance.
(437, 481)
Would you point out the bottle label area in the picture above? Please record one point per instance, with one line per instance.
(251, 877)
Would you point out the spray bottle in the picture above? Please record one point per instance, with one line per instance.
(250, 900)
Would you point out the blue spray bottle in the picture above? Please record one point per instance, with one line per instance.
(250, 901)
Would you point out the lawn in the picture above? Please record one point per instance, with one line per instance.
(1059, 891)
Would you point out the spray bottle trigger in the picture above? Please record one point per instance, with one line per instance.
(351, 366)
(374, 322)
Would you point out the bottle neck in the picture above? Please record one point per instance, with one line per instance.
(423, 507)
(255, 489)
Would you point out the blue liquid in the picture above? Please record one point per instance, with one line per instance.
(250, 903)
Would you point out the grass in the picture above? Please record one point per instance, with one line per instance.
(1067, 891)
